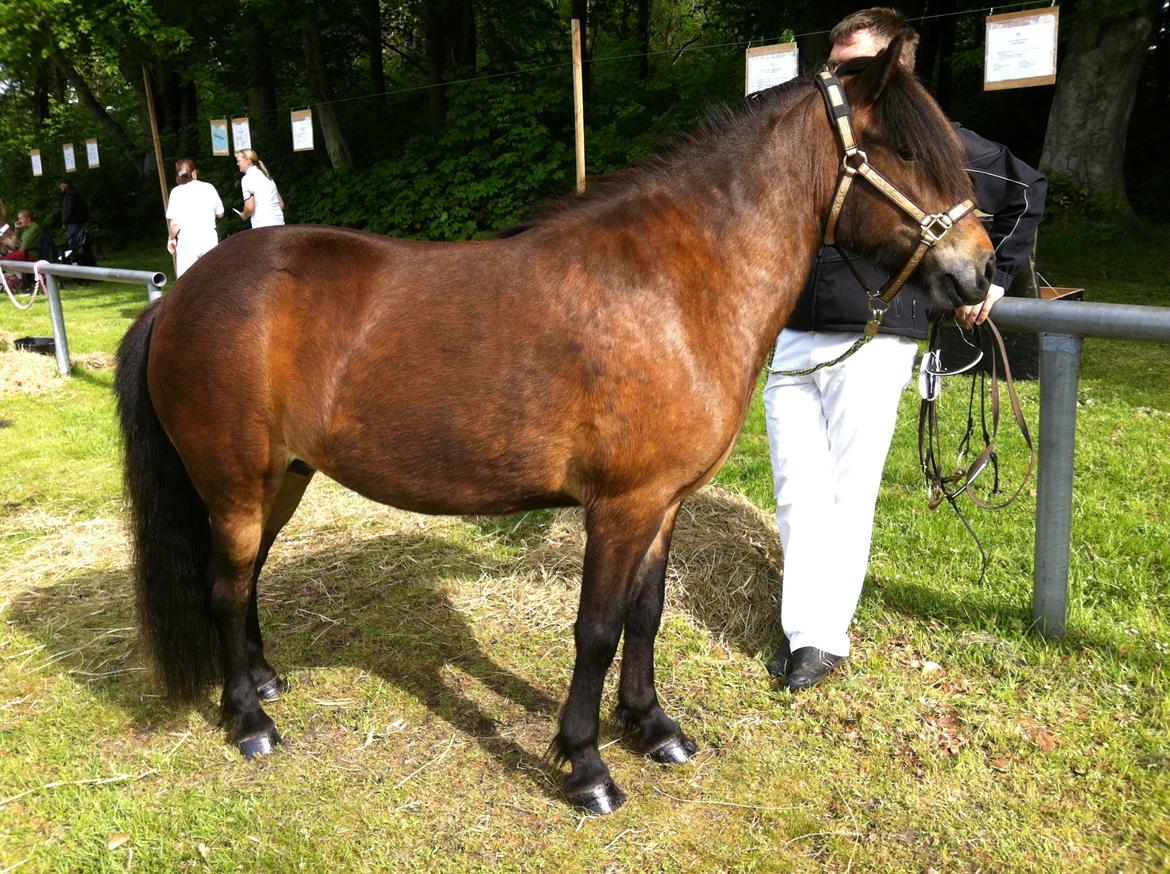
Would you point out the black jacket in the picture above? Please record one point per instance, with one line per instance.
(1006, 188)
(73, 211)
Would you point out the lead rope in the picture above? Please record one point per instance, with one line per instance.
(949, 488)
(38, 283)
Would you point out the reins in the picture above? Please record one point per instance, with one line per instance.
(949, 487)
(932, 227)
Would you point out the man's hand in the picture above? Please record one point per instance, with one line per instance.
(977, 313)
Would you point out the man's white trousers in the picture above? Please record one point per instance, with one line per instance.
(829, 433)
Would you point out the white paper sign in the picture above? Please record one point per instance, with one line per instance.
(302, 130)
(35, 157)
(1021, 49)
(70, 160)
(770, 65)
(241, 134)
(219, 137)
(91, 153)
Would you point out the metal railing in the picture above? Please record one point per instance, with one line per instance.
(50, 271)
(1062, 324)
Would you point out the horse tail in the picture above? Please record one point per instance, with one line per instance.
(170, 532)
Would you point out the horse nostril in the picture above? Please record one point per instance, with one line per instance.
(989, 267)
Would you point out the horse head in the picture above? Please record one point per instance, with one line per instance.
(908, 174)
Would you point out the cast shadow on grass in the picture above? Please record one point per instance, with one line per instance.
(319, 610)
(1007, 619)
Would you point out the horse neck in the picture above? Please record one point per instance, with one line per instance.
(752, 225)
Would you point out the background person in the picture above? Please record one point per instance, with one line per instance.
(9, 245)
(263, 204)
(192, 210)
(829, 432)
(74, 215)
(32, 235)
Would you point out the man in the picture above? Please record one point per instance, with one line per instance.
(829, 432)
(74, 215)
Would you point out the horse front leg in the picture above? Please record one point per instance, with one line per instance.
(659, 736)
(618, 535)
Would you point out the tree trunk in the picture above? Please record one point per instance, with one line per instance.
(335, 142)
(371, 24)
(644, 39)
(580, 11)
(1095, 90)
(449, 31)
(261, 85)
(96, 109)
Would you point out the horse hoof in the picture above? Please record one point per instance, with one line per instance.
(272, 690)
(260, 745)
(600, 800)
(676, 751)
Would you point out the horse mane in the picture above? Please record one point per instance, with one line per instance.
(700, 144)
(906, 114)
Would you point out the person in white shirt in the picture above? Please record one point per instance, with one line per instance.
(262, 202)
(192, 210)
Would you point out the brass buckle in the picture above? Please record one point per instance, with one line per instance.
(935, 227)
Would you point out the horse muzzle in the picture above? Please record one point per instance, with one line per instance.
(956, 278)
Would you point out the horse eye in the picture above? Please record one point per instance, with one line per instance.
(907, 154)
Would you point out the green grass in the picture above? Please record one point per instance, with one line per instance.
(428, 661)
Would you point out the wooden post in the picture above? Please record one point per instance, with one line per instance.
(158, 156)
(578, 106)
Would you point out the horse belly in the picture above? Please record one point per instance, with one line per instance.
(444, 471)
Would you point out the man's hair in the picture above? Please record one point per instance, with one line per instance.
(25, 214)
(885, 24)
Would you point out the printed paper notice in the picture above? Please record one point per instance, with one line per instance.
(241, 134)
(35, 157)
(91, 153)
(1021, 49)
(70, 160)
(302, 130)
(770, 65)
(219, 137)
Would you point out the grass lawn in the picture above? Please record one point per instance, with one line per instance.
(428, 657)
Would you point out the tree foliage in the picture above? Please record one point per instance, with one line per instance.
(434, 118)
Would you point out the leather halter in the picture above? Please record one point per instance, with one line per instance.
(932, 227)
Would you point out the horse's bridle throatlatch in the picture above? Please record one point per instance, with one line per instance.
(932, 227)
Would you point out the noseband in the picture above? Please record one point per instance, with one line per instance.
(932, 227)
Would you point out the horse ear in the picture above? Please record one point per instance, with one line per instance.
(879, 72)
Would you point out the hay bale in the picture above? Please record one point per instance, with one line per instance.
(27, 373)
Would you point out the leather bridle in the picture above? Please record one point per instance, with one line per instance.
(932, 227)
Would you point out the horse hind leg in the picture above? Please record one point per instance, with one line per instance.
(236, 537)
(269, 685)
(619, 534)
(659, 736)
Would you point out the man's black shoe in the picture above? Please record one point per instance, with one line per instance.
(780, 661)
(809, 666)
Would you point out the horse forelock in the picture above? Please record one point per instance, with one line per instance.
(907, 117)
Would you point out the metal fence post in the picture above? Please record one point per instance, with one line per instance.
(57, 317)
(1060, 365)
